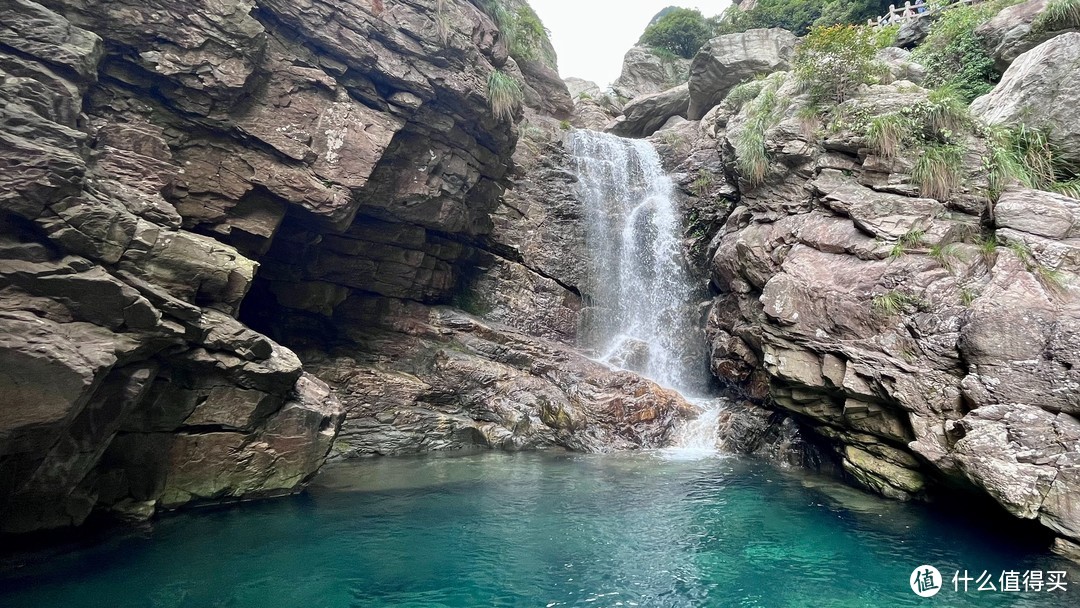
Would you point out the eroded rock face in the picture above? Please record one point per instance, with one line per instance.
(172, 166)
(193, 190)
(925, 361)
(726, 61)
(1039, 90)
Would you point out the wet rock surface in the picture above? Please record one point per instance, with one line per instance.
(438, 378)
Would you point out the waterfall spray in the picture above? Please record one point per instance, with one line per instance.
(642, 310)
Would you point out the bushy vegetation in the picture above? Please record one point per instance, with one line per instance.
(953, 54)
(529, 38)
(681, 31)
(504, 95)
(799, 16)
(742, 94)
(833, 61)
(932, 131)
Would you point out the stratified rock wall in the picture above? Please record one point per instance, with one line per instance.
(193, 192)
(164, 160)
(928, 336)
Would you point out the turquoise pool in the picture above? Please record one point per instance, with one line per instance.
(545, 530)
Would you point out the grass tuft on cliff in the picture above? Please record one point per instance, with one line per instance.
(1025, 155)
(1058, 15)
(504, 95)
(887, 134)
(763, 113)
(939, 170)
(894, 302)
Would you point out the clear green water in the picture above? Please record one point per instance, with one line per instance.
(539, 530)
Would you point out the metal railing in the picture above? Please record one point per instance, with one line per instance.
(913, 10)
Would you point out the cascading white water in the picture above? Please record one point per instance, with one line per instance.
(642, 308)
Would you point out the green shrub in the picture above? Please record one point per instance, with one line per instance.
(954, 56)
(524, 32)
(742, 94)
(529, 41)
(681, 31)
(832, 62)
(945, 111)
(504, 95)
(799, 15)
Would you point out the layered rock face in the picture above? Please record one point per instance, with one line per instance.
(885, 318)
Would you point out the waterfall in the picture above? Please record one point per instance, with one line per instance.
(642, 304)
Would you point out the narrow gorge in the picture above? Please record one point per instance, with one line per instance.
(792, 304)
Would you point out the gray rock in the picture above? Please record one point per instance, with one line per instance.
(644, 73)
(577, 86)
(901, 66)
(1039, 90)
(447, 380)
(1044, 214)
(728, 60)
(645, 115)
(1010, 33)
(914, 31)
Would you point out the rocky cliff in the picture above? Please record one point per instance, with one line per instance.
(922, 330)
(231, 232)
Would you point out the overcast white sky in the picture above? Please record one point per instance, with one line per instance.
(591, 36)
